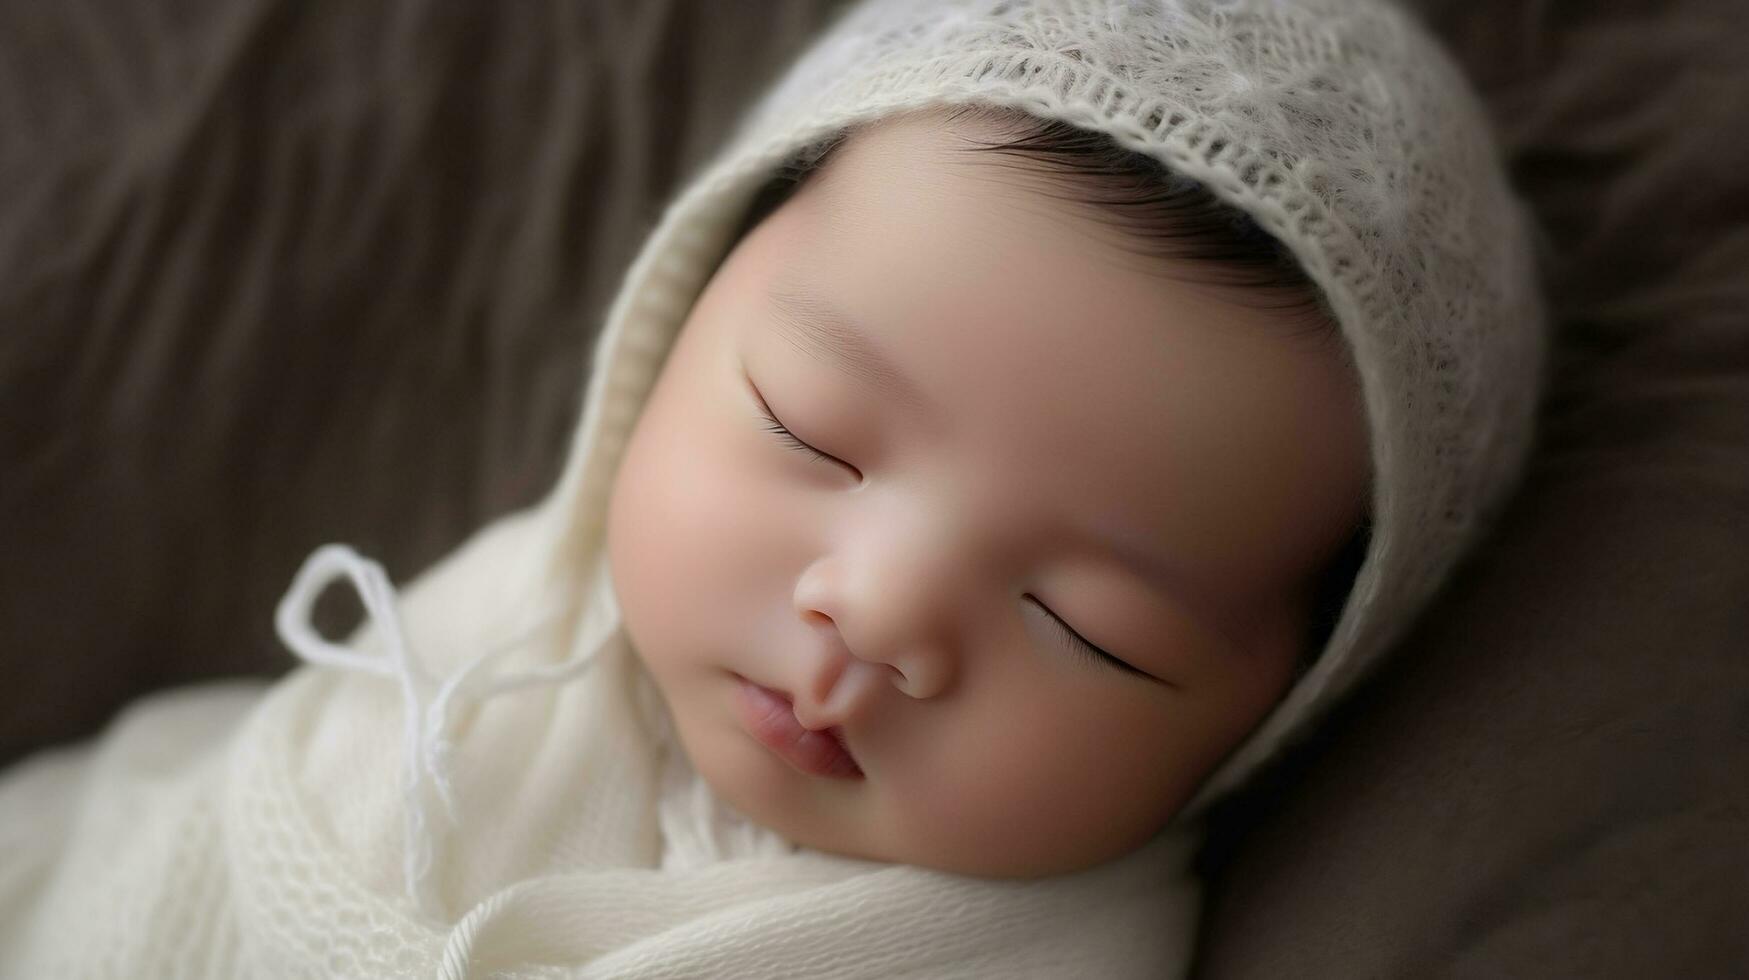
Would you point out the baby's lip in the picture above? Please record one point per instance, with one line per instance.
(769, 716)
(836, 731)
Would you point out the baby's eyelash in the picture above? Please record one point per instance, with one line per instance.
(1082, 648)
(789, 439)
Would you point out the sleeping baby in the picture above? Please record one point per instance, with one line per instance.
(997, 531)
(1030, 422)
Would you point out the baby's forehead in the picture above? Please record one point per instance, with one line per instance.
(921, 147)
(1098, 201)
(1013, 359)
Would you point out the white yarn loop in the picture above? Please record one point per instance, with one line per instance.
(425, 703)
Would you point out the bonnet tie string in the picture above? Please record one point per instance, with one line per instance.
(425, 701)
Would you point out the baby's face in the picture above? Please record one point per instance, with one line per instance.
(1017, 430)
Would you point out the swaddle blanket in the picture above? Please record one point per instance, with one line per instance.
(483, 781)
(221, 833)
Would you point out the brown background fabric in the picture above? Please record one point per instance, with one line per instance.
(1553, 779)
(281, 272)
(275, 273)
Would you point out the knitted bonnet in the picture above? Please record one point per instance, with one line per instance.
(1341, 126)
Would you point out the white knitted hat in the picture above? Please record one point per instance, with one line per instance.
(1340, 126)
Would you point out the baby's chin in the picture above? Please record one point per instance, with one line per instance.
(855, 819)
(829, 815)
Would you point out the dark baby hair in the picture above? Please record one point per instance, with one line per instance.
(1163, 215)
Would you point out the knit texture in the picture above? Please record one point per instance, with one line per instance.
(493, 788)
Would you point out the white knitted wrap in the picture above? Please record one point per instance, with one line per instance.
(447, 806)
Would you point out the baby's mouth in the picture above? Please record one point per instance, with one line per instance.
(769, 716)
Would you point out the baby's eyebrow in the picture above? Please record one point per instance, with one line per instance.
(837, 340)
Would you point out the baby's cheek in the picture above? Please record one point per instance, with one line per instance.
(1054, 779)
(659, 526)
(745, 518)
(696, 530)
